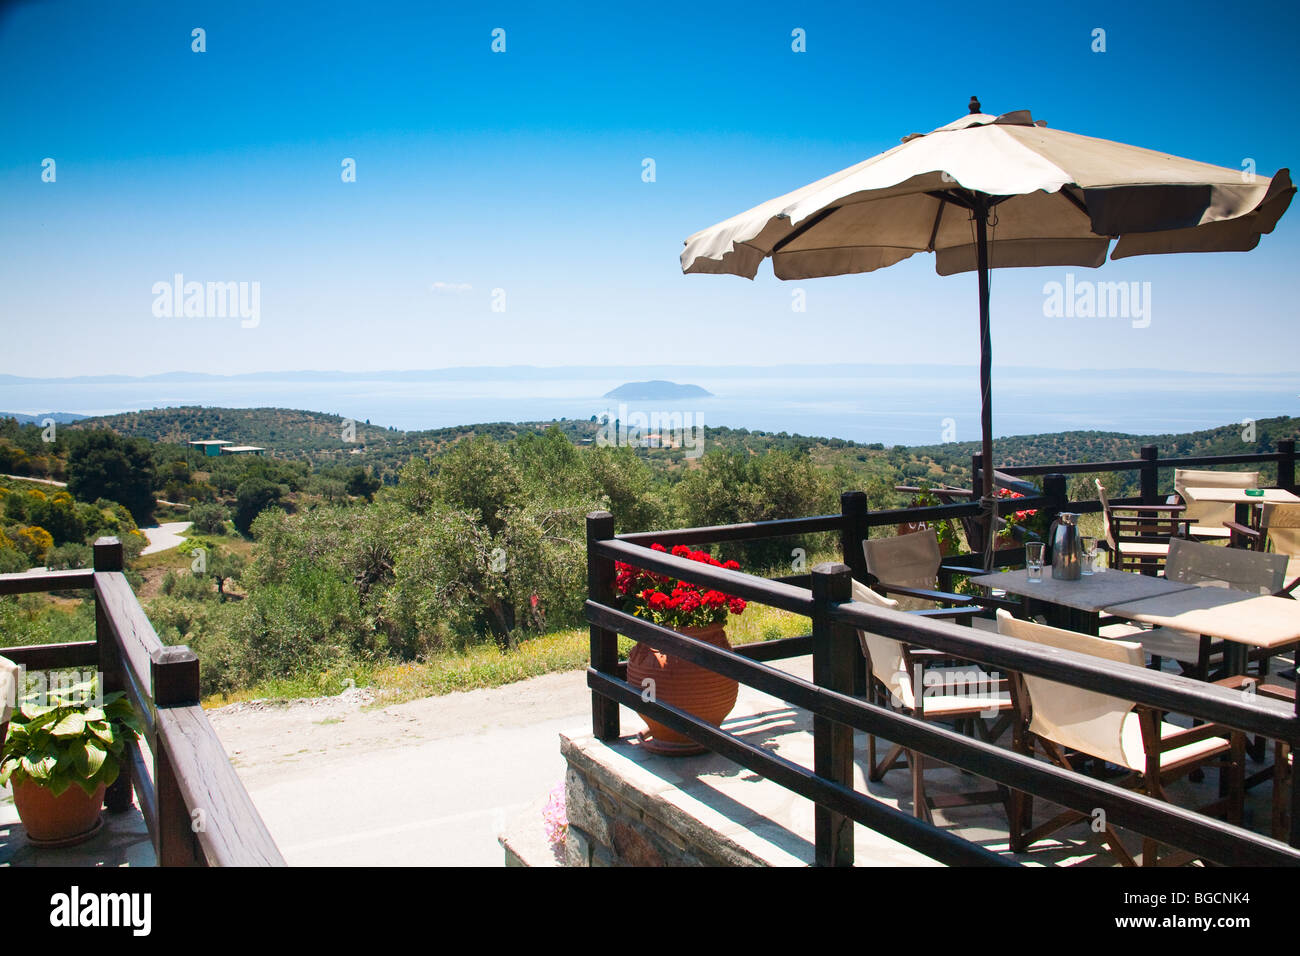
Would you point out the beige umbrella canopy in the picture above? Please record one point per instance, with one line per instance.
(996, 192)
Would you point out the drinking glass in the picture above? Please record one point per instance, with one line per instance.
(1034, 561)
(1088, 555)
(1098, 559)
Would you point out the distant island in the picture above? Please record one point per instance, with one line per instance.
(656, 391)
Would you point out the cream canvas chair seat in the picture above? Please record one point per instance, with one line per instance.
(1056, 717)
(965, 693)
(1209, 517)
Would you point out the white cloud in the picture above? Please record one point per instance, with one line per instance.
(451, 287)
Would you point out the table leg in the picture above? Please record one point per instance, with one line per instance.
(1236, 658)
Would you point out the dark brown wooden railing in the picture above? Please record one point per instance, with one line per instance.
(835, 696)
(197, 810)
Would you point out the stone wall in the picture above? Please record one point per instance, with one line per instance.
(621, 815)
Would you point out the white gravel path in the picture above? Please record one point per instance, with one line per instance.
(164, 537)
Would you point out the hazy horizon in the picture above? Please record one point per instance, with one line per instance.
(893, 404)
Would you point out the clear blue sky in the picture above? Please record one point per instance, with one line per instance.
(522, 171)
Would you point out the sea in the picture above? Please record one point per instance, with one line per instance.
(893, 405)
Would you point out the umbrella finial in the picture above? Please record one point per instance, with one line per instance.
(975, 104)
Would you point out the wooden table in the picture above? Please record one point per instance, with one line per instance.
(1242, 619)
(1091, 594)
(1238, 497)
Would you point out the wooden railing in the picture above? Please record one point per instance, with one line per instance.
(835, 696)
(197, 810)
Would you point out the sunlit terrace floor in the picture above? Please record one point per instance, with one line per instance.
(122, 841)
(759, 822)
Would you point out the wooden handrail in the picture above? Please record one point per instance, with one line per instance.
(835, 655)
(194, 805)
(1178, 827)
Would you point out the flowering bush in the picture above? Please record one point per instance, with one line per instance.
(672, 603)
(556, 818)
(1018, 518)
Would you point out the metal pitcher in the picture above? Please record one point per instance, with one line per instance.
(1067, 548)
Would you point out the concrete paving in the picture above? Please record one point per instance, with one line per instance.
(430, 782)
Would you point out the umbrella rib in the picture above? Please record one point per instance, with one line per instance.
(1076, 202)
(934, 230)
(863, 245)
(801, 229)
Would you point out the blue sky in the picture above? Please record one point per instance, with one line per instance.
(522, 171)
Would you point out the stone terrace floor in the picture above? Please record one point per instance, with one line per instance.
(122, 841)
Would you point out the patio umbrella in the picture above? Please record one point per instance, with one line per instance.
(987, 192)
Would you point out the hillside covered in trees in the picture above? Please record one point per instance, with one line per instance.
(338, 550)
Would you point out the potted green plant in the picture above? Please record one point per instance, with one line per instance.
(64, 749)
(945, 531)
(690, 609)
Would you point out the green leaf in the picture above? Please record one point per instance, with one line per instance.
(35, 711)
(71, 725)
(107, 774)
(90, 758)
(39, 766)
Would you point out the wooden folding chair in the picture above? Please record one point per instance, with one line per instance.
(1054, 717)
(913, 681)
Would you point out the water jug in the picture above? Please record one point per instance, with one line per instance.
(1067, 547)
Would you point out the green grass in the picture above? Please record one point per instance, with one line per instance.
(485, 666)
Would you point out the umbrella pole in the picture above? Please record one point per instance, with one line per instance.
(981, 210)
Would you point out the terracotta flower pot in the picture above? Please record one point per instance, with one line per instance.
(70, 817)
(697, 690)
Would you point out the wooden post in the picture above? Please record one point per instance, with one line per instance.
(108, 558)
(1150, 475)
(834, 649)
(174, 678)
(853, 532)
(1286, 467)
(1054, 489)
(604, 644)
(1293, 831)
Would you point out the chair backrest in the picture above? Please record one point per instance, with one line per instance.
(1282, 523)
(1211, 513)
(1195, 562)
(10, 674)
(884, 654)
(1105, 514)
(1086, 720)
(906, 560)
